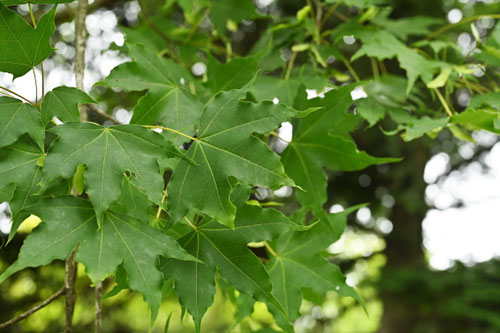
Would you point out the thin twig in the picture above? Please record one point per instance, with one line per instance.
(443, 102)
(290, 65)
(160, 207)
(33, 67)
(103, 114)
(464, 21)
(16, 94)
(69, 284)
(273, 133)
(330, 11)
(351, 70)
(98, 308)
(49, 300)
(36, 85)
(43, 80)
(71, 267)
(375, 71)
(80, 40)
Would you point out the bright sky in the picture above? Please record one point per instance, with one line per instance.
(469, 234)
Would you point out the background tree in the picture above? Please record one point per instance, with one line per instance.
(413, 75)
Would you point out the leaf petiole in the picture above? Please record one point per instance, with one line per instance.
(16, 94)
(189, 222)
(171, 130)
(270, 249)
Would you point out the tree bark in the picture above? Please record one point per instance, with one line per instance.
(404, 244)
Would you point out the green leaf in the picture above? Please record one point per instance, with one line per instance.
(22, 46)
(17, 118)
(234, 10)
(108, 153)
(381, 44)
(68, 221)
(219, 246)
(266, 88)
(34, 2)
(441, 79)
(18, 165)
(132, 201)
(297, 265)
(385, 95)
(62, 102)
(226, 147)
(421, 126)
(169, 101)
(231, 75)
(491, 99)
(408, 26)
(7, 192)
(477, 119)
(121, 283)
(321, 140)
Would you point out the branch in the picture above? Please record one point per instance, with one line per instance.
(98, 308)
(69, 285)
(103, 114)
(49, 300)
(80, 39)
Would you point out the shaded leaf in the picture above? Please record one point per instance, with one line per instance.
(19, 165)
(219, 246)
(62, 102)
(231, 75)
(17, 118)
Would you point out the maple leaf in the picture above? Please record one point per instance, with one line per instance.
(169, 101)
(226, 248)
(20, 55)
(381, 44)
(20, 166)
(69, 221)
(231, 75)
(322, 141)
(62, 102)
(296, 265)
(226, 147)
(107, 154)
(18, 118)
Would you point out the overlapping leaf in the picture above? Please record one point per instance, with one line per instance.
(381, 44)
(226, 147)
(234, 10)
(62, 102)
(322, 141)
(17, 118)
(297, 265)
(22, 46)
(226, 248)
(68, 221)
(169, 101)
(107, 154)
(232, 75)
(20, 166)
(7, 192)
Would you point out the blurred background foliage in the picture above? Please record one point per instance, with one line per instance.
(382, 250)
